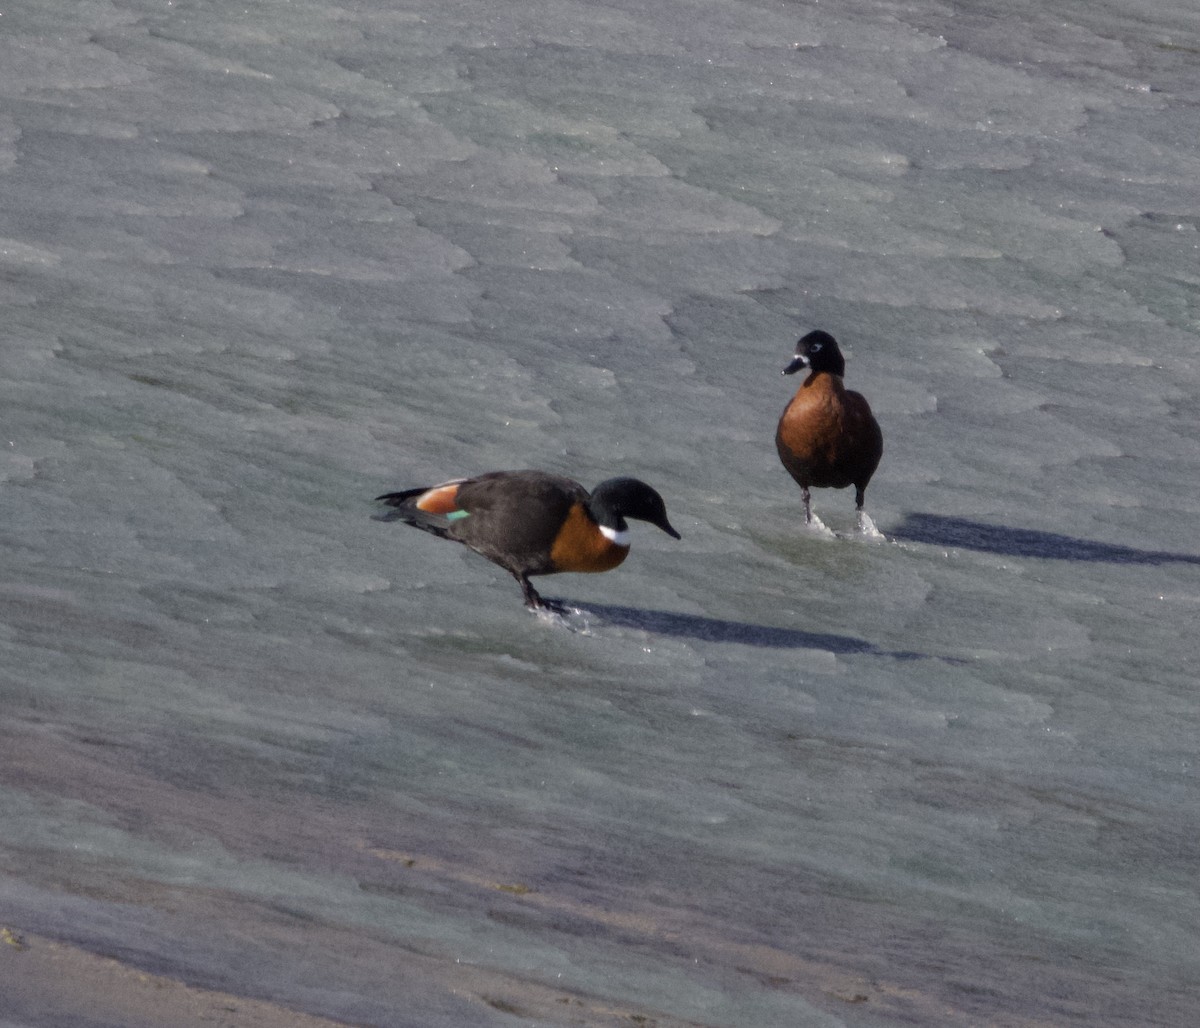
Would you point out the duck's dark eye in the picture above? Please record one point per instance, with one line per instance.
(814, 348)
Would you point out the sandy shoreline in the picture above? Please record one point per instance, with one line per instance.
(44, 982)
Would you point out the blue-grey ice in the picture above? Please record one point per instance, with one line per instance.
(261, 262)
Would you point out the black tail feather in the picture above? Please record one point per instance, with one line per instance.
(400, 509)
(395, 499)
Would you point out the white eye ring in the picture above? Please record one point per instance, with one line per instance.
(815, 348)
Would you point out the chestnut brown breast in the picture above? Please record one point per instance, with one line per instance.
(827, 437)
(581, 546)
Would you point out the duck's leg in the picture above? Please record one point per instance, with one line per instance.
(807, 504)
(865, 525)
(532, 599)
(535, 602)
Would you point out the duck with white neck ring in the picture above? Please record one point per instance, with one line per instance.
(532, 522)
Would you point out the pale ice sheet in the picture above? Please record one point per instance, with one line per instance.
(261, 263)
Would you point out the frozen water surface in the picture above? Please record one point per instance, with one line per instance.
(261, 262)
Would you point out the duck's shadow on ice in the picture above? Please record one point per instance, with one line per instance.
(697, 626)
(962, 533)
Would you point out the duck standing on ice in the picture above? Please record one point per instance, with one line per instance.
(531, 522)
(827, 437)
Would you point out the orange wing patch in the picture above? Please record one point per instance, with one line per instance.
(581, 546)
(441, 499)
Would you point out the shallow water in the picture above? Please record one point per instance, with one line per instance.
(261, 264)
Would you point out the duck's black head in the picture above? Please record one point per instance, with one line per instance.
(616, 499)
(818, 351)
